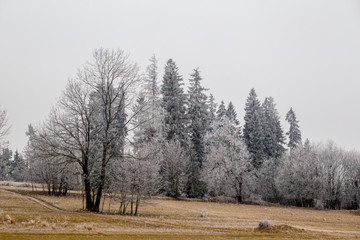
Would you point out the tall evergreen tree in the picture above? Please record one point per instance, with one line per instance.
(150, 117)
(273, 134)
(212, 108)
(253, 129)
(198, 124)
(5, 158)
(221, 110)
(231, 113)
(173, 102)
(18, 168)
(151, 84)
(294, 130)
(147, 144)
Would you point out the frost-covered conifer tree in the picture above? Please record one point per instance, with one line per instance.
(149, 121)
(253, 129)
(153, 109)
(232, 116)
(198, 124)
(273, 134)
(143, 169)
(294, 130)
(221, 110)
(231, 113)
(5, 158)
(212, 108)
(18, 168)
(173, 103)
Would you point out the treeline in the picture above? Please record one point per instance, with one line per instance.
(117, 132)
(12, 166)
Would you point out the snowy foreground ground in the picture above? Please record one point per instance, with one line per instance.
(27, 215)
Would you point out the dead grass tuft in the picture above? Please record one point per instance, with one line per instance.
(265, 225)
(43, 224)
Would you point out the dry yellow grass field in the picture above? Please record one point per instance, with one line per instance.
(27, 215)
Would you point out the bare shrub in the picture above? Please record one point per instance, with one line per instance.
(318, 204)
(8, 217)
(255, 199)
(203, 213)
(43, 224)
(24, 185)
(88, 227)
(222, 199)
(265, 225)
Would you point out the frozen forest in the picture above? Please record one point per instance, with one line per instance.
(119, 132)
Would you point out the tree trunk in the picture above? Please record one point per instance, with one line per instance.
(87, 183)
(239, 195)
(120, 208)
(110, 203)
(132, 203)
(102, 180)
(83, 197)
(65, 190)
(102, 208)
(122, 204)
(137, 204)
(89, 200)
(125, 207)
(60, 189)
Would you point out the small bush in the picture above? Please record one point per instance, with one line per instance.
(255, 199)
(88, 227)
(24, 185)
(318, 204)
(44, 224)
(265, 225)
(222, 199)
(203, 213)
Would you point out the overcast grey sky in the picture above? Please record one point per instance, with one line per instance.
(305, 54)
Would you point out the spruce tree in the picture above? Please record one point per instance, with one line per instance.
(212, 108)
(273, 134)
(253, 129)
(18, 168)
(198, 125)
(5, 161)
(149, 117)
(231, 113)
(221, 110)
(294, 130)
(173, 103)
(151, 84)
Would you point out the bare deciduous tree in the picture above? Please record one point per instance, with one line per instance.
(4, 126)
(227, 160)
(90, 122)
(175, 164)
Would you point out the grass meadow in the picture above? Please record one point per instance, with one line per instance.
(32, 215)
